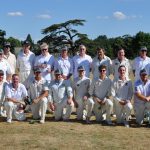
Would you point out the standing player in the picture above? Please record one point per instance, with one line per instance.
(82, 60)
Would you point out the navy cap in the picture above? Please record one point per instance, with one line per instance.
(7, 44)
(58, 71)
(81, 68)
(143, 71)
(1, 72)
(143, 48)
(37, 70)
(64, 48)
(26, 42)
(1, 51)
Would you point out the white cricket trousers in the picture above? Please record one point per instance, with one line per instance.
(99, 110)
(140, 110)
(122, 112)
(39, 110)
(59, 110)
(82, 105)
(11, 111)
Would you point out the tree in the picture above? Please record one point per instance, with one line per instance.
(58, 35)
(28, 38)
(141, 39)
(14, 43)
(2, 39)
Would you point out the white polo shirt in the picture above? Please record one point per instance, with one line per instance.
(36, 88)
(115, 65)
(81, 87)
(101, 88)
(122, 90)
(59, 91)
(96, 63)
(48, 61)
(65, 65)
(142, 89)
(138, 64)
(25, 61)
(85, 61)
(18, 93)
(11, 59)
(4, 65)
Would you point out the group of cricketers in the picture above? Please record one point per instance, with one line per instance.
(63, 84)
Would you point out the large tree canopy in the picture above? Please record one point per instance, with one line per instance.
(58, 35)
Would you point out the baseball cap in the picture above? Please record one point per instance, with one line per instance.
(143, 71)
(37, 70)
(58, 71)
(26, 42)
(81, 68)
(1, 72)
(143, 48)
(44, 46)
(64, 48)
(7, 44)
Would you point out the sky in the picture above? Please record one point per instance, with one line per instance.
(103, 17)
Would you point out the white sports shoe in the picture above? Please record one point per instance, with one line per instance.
(42, 121)
(8, 120)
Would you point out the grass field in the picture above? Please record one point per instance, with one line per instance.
(71, 135)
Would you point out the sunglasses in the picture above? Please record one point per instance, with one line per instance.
(7, 47)
(44, 49)
(102, 70)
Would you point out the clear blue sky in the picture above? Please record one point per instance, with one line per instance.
(104, 17)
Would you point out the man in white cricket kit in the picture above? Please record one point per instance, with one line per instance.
(82, 60)
(122, 93)
(101, 59)
(38, 93)
(120, 60)
(140, 62)
(65, 64)
(100, 91)
(45, 62)
(4, 65)
(11, 58)
(15, 93)
(60, 97)
(142, 97)
(2, 94)
(81, 88)
(25, 61)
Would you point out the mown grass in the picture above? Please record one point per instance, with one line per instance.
(72, 135)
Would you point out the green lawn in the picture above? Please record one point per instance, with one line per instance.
(71, 135)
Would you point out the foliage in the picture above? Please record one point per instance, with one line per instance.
(61, 34)
(58, 35)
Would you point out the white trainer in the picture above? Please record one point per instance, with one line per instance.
(8, 120)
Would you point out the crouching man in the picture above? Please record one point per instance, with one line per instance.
(100, 91)
(81, 88)
(15, 93)
(142, 97)
(60, 97)
(38, 93)
(122, 93)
